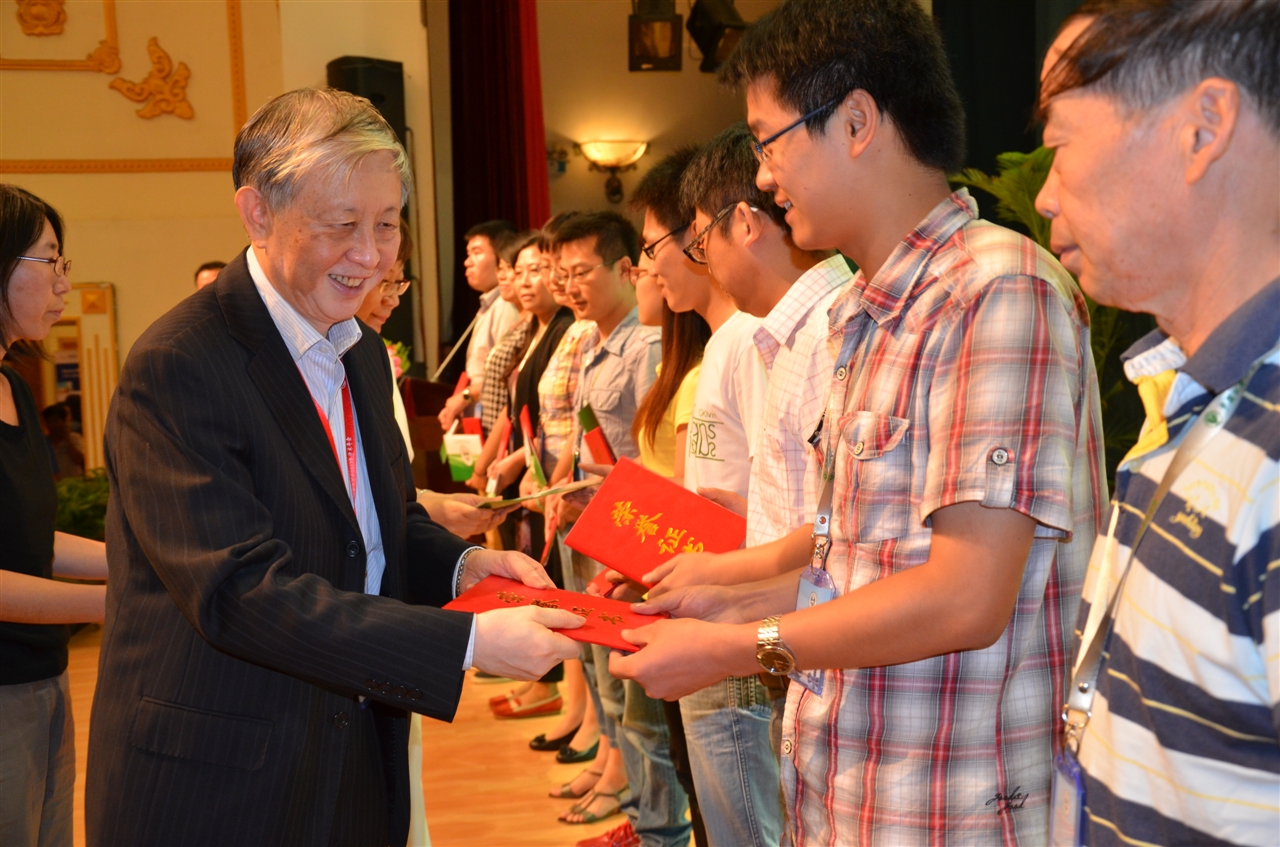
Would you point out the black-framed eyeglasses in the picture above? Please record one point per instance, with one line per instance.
(651, 249)
(394, 287)
(61, 264)
(762, 155)
(695, 251)
(576, 277)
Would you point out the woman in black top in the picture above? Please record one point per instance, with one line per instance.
(37, 757)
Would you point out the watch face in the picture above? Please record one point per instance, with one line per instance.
(775, 660)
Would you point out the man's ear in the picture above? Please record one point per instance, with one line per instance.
(858, 120)
(624, 269)
(752, 223)
(254, 214)
(1211, 111)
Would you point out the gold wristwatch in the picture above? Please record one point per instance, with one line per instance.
(771, 651)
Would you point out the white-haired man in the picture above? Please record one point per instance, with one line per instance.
(1165, 198)
(260, 652)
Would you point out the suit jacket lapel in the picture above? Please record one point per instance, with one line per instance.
(280, 383)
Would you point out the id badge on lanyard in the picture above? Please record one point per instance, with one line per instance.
(816, 586)
(1066, 814)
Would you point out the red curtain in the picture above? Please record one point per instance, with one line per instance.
(499, 143)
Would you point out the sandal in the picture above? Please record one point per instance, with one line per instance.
(581, 807)
(566, 792)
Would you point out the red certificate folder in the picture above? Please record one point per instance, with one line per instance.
(638, 520)
(605, 619)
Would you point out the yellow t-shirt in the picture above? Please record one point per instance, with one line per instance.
(660, 456)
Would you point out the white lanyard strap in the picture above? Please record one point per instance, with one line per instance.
(835, 405)
(1078, 709)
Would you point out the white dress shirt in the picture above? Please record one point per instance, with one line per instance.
(319, 359)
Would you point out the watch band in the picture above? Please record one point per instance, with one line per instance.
(773, 654)
(767, 635)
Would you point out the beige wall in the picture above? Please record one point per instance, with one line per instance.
(147, 232)
(313, 33)
(588, 93)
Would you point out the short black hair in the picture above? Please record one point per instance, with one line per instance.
(1143, 52)
(405, 252)
(58, 411)
(818, 51)
(517, 241)
(724, 173)
(490, 230)
(551, 227)
(615, 235)
(659, 192)
(215, 265)
(22, 218)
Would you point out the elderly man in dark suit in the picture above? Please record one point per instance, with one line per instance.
(270, 609)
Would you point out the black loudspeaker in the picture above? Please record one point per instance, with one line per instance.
(379, 81)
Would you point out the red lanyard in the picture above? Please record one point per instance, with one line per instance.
(348, 420)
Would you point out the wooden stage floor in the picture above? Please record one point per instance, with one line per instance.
(484, 787)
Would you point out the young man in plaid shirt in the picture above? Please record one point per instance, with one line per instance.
(964, 447)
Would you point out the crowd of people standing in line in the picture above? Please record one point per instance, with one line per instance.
(809, 328)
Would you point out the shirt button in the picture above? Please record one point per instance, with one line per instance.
(387, 688)
(353, 549)
(1000, 456)
(371, 684)
(858, 448)
(841, 373)
(401, 692)
(787, 747)
(341, 721)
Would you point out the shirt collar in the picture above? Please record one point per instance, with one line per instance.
(885, 295)
(618, 338)
(807, 291)
(1245, 336)
(486, 299)
(299, 335)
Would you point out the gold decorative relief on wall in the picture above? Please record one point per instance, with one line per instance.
(164, 91)
(105, 59)
(42, 17)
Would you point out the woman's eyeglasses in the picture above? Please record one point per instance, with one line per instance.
(397, 288)
(61, 264)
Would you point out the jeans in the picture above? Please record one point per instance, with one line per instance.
(735, 769)
(37, 763)
(637, 728)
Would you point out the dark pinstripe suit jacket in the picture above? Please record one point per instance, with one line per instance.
(237, 635)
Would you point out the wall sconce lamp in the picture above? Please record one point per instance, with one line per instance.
(613, 157)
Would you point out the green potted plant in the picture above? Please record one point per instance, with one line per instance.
(82, 505)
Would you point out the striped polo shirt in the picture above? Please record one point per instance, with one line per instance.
(1183, 745)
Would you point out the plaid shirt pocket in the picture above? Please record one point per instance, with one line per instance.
(874, 457)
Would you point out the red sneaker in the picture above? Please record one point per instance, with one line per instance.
(622, 836)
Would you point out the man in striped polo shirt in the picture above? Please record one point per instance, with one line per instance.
(1164, 199)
